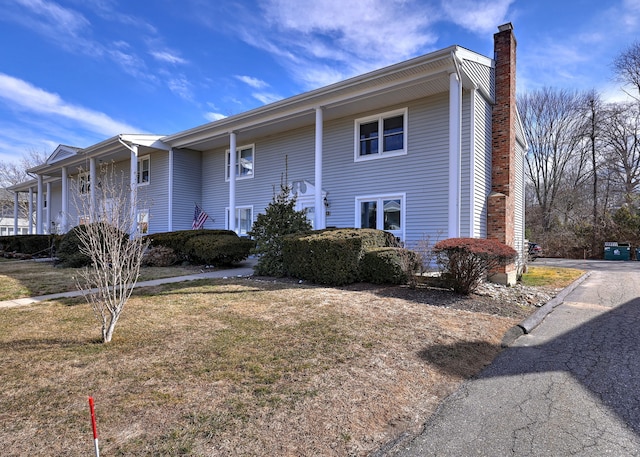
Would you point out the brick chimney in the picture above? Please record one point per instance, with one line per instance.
(501, 202)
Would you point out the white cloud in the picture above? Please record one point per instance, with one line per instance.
(266, 98)
(181, 87)
(214, 116)
(27, 97)
(313, 39)
(253, 82)
(168, 57)
(477, 16)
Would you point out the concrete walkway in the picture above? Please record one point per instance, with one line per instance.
(570, 387)
(243, 269)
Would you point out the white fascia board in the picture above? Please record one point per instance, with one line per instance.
(150, 141)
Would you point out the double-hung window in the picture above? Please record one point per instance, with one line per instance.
(382, 135)
(382, 212)
(244, 219)
(143, 170)
(244, 162)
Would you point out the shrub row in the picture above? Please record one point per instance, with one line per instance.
(28, 244)
(344, 256)
(211, 247)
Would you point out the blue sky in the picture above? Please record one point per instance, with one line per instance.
(77, 72)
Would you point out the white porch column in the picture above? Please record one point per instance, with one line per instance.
(47, 218)
(16, 213)
(92, 189)
(39, 205)
(170, 192)
(319, 215)
(65, 201)
(133, 196)
(30, 209)
(455, 140)
(232, 181)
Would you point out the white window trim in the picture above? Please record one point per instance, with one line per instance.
(380, 118)
(402, 196)
(227, 213)
(140, 160)
(251, 146)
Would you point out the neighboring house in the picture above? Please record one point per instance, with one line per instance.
(430, 147)
(10, 221)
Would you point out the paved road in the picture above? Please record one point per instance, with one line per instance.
(570, 387)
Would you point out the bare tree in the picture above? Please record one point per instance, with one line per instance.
(622, 139)
(15, 172)
(115, 255)
(556, 161)
(627, 66)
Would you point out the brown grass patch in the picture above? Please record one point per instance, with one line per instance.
(239, 367)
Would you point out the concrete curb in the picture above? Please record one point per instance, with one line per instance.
(531, 322)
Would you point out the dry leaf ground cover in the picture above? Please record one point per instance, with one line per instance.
(248, 367)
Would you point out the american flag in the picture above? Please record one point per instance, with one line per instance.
(199, 218)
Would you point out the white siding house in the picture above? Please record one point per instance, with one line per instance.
(407, 148)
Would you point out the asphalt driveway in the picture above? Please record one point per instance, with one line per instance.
(570, 387)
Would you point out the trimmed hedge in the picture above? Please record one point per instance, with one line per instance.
(28, 244)
(389, 265)
(69, 251)
(211, 247)
(331, 256)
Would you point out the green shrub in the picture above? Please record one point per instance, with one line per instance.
(71, 251)
(331, 256)
(218, 249)
(38, 245)
(466, 262)
(177, 241)
(391, 265)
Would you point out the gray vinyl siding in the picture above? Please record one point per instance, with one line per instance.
(155, 195)
(422, 174)
(187, 188)
(290, 153)
(482, 174)
(480, 74)
(519, 200)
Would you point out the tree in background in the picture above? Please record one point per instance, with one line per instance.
(556, 161)
(116, 256)
(627, 67)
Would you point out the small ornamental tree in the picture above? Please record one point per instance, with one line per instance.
(466, 262)
(279, 219)
(114, 257)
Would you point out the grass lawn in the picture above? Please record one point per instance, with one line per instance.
(25, 278)
(550, 276)
(234, 367)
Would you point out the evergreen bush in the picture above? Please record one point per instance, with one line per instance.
(279, 220)
(389, 265)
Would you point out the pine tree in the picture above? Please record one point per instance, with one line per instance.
(279, 219)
